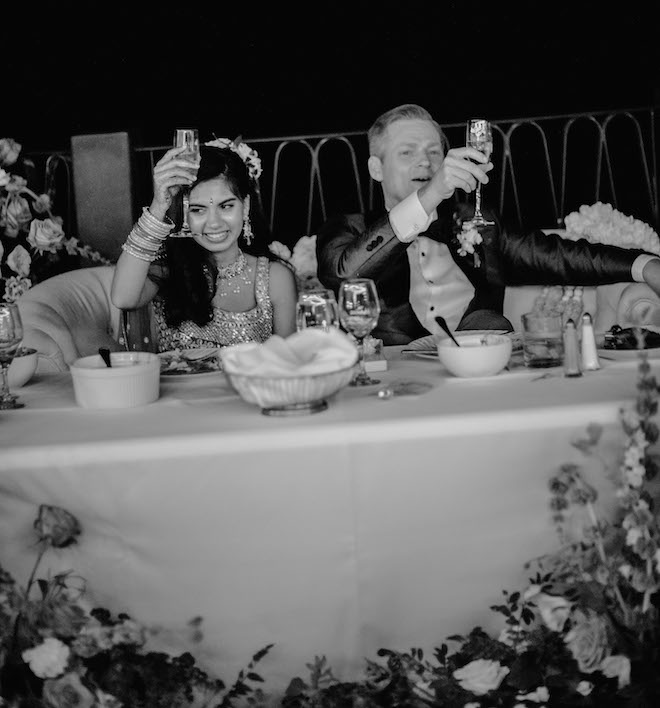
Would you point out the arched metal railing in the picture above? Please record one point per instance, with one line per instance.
(546, 167)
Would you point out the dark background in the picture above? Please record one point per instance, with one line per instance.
(242, 68)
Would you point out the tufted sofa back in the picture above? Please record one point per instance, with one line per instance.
(70, 315)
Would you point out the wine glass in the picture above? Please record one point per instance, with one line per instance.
(317, 308)
(479, 135)
(11, 335)
(359, 309)
(189, 139)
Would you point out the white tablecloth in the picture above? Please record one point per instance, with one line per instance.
(375, 523)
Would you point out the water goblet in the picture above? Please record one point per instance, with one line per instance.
(479, 135)
(187, 138)
(359, 308)
(11, 335)
(317, 308)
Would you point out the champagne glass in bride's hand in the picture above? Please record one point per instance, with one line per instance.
(359, 309)
(187, 138)
(479, 135)
(11, 335)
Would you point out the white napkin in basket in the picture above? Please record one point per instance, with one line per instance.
(310, 351)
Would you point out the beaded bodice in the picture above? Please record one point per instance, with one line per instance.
(225, 328)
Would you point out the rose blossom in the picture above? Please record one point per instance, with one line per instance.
(45, 235)
(66, 692)
(4, 181)
(17, 213)
(481, 676)
(587, 640)
(584, 688)
(554, 609)
(48, 659)
(9, 151)
(617, 666)
(19, 261)
(56, 526)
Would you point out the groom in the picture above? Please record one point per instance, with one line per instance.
(419, 254)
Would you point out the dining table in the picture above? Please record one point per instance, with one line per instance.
(394, 518)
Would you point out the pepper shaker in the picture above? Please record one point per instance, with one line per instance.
(571, 350)
(588, 350)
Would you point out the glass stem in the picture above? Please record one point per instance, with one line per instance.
(360, 347)
(477, 201)
(4, 394)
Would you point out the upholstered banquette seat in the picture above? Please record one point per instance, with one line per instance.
(70, 315)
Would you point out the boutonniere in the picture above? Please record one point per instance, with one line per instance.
(468, 237)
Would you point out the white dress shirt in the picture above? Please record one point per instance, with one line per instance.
(437, 285)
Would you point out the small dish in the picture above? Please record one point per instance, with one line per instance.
(478, 355)
(190, 362)
(132, 380)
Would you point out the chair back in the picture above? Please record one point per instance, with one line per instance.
(69, 316)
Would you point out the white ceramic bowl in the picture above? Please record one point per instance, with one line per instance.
(478, 354)
(22, 367)
(290, 395)
(133, 380)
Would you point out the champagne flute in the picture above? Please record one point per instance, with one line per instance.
(11, 335)
(317, 308)
(359, 309)
(187, 138)
(479, 135)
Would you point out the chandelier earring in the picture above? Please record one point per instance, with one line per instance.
(247, 229)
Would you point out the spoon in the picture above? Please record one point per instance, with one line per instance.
(105, 355)
(443, 324)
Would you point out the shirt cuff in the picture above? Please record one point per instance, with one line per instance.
(409, 218)
(638, 266)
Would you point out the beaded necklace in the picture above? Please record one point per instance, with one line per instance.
(232, 277)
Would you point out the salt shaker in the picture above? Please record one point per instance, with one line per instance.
(588, 350)
(571, 350)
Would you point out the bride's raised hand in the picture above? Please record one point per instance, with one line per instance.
(171, 173)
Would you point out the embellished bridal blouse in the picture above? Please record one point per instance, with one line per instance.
(225, 328)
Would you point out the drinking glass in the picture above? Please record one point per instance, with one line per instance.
(317, 308)
(11, 335)
(188, 138)
(479, 135)
(359, 309)
(543, 343)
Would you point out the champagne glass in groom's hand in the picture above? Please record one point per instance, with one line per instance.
(479, 135)
(11, 335)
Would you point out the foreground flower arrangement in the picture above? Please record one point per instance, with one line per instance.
(585, 632)
(57, 652)
(33, 245)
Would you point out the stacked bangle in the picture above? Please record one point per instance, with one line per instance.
(147, 236)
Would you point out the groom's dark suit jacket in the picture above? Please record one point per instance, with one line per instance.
(353, 245)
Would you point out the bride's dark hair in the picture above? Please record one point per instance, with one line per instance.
(187, 291)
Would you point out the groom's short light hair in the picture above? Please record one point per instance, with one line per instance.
(406, 111)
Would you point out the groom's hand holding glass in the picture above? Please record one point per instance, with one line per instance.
(462, 168)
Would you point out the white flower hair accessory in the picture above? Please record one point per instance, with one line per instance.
(244, 151)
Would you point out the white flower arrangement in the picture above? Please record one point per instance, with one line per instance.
(601, 223)
(249, 155)
(302, 259)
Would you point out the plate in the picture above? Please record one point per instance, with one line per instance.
(427, 344)
(627, 354)
(189, 362)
